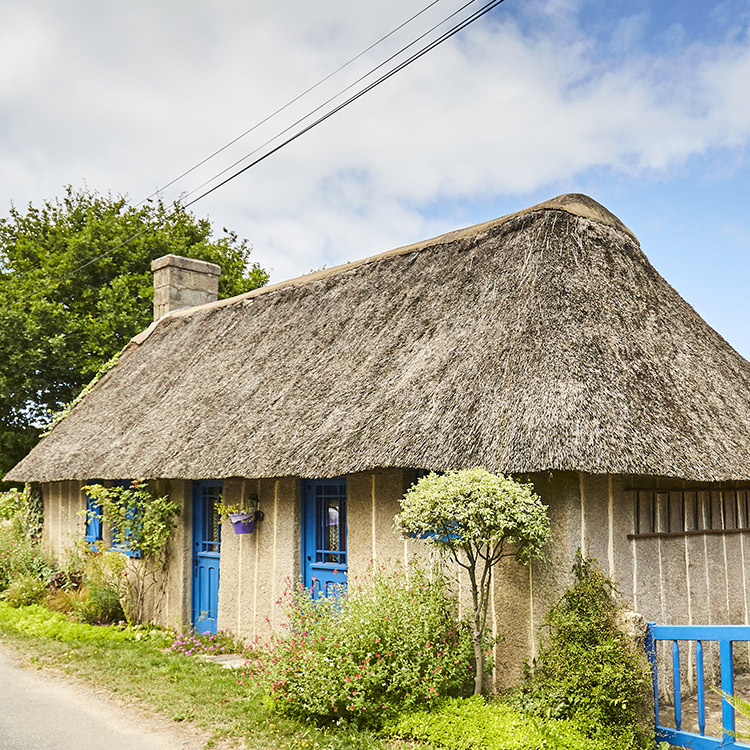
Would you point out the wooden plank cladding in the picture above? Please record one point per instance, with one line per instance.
(695, 511)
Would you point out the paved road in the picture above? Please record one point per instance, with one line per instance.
(41, 711)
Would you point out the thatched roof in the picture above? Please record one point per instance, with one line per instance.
(540, 341)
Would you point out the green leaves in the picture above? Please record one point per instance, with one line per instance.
(392, 641)
(473, 509)
(76, 286)
(466, 724)
(586, 670)
(477, 518)
(143, 521)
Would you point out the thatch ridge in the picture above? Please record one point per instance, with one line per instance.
(541, 341)
(576, 204)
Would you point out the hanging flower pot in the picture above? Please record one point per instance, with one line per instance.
(244, 516)
(243, 523)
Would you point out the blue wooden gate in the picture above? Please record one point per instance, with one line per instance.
(724, 635)
(206, 555)
(324, 553)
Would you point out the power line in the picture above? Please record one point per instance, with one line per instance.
(328, 101)
(287, 105)
(415, 56)
(447, 35)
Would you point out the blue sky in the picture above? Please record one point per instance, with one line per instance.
(645, 106)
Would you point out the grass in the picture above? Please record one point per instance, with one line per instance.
(471, 723)
(134, 664)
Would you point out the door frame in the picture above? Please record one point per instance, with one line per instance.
(206, 624)
(324, 573)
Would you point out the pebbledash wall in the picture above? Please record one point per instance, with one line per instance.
(679, 551)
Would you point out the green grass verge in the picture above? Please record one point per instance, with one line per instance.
(132, 663)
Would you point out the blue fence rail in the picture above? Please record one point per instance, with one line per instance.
(725, 635)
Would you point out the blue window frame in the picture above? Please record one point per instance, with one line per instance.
(93, 533)
(324, 535)
(120, 543)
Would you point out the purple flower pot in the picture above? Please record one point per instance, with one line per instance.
(243, 523)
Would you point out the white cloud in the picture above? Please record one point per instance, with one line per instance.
(126, 97)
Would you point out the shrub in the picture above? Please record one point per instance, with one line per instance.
(393, 641)
(100, 606)
(64, 600)
(25, 590)
(586, 669)
(67, 580)
(466, 724)
(21, 556)
(99, 580)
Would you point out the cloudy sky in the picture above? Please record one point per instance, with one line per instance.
(643, 105)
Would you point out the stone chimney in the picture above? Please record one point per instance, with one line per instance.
(183, 282)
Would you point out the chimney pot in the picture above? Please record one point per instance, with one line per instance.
(183, 282)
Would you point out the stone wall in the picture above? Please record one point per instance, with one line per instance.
(257, 568)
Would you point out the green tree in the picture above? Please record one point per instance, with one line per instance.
(476, 518)
(76, 285)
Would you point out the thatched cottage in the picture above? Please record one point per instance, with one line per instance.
(542, 344)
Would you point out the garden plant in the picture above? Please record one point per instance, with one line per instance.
(476, 519)
(391, 642)
(143, 522)
(587, 670)
(22, 561)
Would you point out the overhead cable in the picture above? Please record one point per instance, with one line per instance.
(427, 48)
(486, 8)
(288, 104)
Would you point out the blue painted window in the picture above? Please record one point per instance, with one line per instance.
(330, 527)
(121, 542)
(324, 536)
(93, 533)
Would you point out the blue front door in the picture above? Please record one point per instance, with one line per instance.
(324, 535)
(206, 555)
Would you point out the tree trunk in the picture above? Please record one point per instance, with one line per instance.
(479, 659)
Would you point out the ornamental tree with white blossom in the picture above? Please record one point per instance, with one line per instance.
(476, 519)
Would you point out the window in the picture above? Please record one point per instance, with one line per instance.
(662, 512)
(121, 542)
(93, 533)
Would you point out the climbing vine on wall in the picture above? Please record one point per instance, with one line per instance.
(141, 524)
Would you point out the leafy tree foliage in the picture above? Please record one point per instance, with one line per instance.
(76, 285)
(476, 518)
